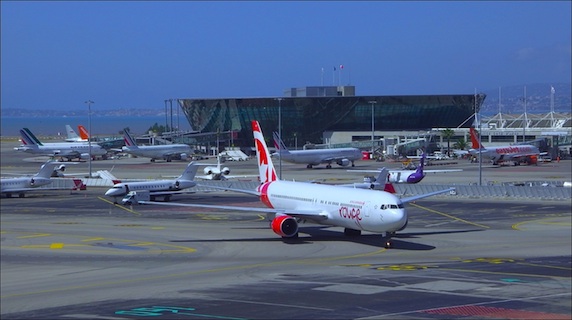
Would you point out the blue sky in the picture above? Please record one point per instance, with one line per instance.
(56, 55)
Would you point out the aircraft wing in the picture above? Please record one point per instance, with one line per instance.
(315, 215)
(421, 196)
(229, 188)
(34, 189)
(522, 155)
(164, 193)
(332, 159)
(224, 177)
(172, 153)
(442, 171)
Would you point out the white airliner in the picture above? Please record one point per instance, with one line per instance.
(517, 153)
(164, 188)
(217, 172)
(289, 202)
(342, 156)
(398, 176)
(25, 184)
(167, 152)
(69, 150)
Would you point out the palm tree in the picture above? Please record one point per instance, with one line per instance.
(448, 134)
(460, 144)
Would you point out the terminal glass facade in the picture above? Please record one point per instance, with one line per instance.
(306, 118)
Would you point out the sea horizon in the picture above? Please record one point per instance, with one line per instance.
(100, 125)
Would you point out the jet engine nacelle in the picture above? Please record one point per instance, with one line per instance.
(225, 170)
(183, 184)
(208, 170)
(285, 226)
(344, 162)
(184, 156)
(84, 156)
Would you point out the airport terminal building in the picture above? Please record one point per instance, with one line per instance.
(307, 113)
(334, 116)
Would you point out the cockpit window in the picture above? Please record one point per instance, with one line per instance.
(392, 206)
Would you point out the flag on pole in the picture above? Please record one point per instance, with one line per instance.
(341, 66)
(334, 68)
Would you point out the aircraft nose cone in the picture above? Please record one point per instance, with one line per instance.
(111, 192)
(397, 219)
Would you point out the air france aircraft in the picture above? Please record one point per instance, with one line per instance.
(516, 153)
(69, 150)
(289, 202)
(398, 176)
(342, 156)
(164, 188)
(25, 184)
(166, 152)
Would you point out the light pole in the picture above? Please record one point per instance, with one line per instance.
(373, 103)
(89, 102)
(279, 136)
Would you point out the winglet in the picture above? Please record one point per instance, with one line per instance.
(266, 170)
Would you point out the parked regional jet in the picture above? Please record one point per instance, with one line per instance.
(166, 152)
(25, 184)
(342, 156)
(69, 150)
(164, 188)
(517, 153)
(398, 176)
(217, 172)
(289, 202)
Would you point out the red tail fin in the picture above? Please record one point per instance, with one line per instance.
(389, 188)
(78, 185)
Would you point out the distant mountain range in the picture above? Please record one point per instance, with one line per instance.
(537, 99)
(512, 101)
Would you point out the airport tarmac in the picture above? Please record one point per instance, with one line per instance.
(75, 255)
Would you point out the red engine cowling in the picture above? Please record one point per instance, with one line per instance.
(285, 226)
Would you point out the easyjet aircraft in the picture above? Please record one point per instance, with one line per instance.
(289, 202)
(517, 153)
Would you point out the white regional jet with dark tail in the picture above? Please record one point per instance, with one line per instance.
(289, 202)
(26, 184)
(163, 188)
(167, 152)
(342, 156)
